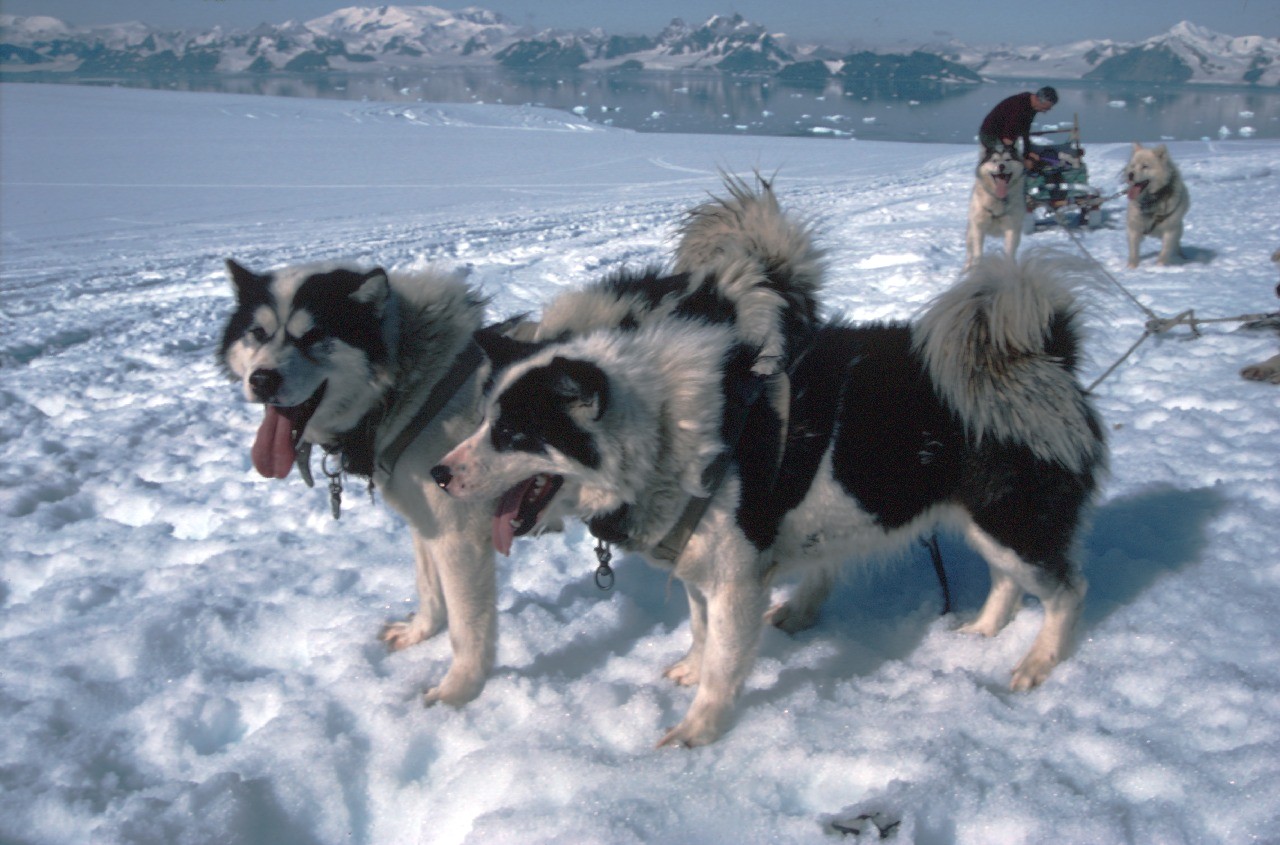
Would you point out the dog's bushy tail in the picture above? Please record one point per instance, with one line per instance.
(748, 223)
(763, 260)
(1002, 349)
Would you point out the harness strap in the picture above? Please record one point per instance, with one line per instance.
(670, 546)
(467, 362)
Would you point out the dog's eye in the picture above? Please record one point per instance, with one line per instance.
(507, 438)
(310, 338)
(259, 334)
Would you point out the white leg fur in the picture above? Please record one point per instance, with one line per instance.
(1012, 238)
(1171, 246)
(456, 583)
(431, 615)
(735, 613)
(1001, 604)
(686, 671)
(1010, 577)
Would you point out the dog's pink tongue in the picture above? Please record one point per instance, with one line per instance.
(503, 531)
(273, 447)
(1002, 188)
(1134, 191)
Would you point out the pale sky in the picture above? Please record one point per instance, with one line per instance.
(834, 21)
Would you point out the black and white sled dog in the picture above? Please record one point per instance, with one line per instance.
(1158, 202)
(380, 370)
(971, 417)
(998, 204)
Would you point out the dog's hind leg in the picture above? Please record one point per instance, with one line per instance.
(1171, 245)
(1062, 602)
(801, 608)
(1060, 589)
(999, 608)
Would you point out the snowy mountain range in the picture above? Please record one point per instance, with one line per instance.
(405, 37)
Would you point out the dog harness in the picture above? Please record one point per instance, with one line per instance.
(361, 438)
(1148, 207)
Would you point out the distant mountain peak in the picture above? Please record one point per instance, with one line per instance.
(390, 37)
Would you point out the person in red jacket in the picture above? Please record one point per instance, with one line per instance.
(1011, 120)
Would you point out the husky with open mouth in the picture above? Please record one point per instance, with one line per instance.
(741, 261)
(971, 417)
(998, 204)
(380, 370)
(1158, 202)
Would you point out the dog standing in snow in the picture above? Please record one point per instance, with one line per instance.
(998, 204)
(1158, 202)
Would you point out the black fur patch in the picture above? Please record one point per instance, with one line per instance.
(327, 297)
(534, 412)
(897, 449)
(650, 284)
(707, 304)
(252, 291)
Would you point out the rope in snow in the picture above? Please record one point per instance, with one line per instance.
(1155, 323)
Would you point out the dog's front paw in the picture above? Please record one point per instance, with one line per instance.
(694, 731)
(456, 689)
(684, 672)
(1033, 670)
(401, 635)
(978, 628)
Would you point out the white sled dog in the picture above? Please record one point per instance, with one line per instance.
(998, 204)
(1158, 202)
(380, 370)
(972, 417)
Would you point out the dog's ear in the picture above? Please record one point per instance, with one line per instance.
(1162, 152)
(1137, 145)
(244, 281)
(583, 385)
(372, 289)
(503, 351)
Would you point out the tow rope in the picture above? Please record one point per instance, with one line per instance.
(1155, 323)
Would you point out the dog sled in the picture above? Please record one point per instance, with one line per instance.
(1058, 189)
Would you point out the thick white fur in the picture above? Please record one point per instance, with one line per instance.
(664, 381)
(996, 318)
(1159, 210)
(990, 214)
(427, 318)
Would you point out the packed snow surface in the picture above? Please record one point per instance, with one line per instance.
(188, 651)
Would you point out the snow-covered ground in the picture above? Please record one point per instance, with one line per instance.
(188, 650)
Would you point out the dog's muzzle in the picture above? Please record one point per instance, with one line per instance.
(442, 476)
(264, 383)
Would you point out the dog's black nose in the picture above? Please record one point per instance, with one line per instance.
(442, 476)
(265, 383)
